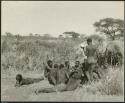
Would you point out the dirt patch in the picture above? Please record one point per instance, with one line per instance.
(26, 93)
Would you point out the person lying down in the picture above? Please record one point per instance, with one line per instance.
(26, 81)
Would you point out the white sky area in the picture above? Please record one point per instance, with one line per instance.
(56, 17)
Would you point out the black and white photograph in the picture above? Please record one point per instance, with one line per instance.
(62, 51)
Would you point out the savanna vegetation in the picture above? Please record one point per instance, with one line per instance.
(26, 54)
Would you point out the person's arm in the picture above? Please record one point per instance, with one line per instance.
(46, 73)
(86, 51)
(57, 77)
(46, 66)
(67, 75)
(17, 84)
(96, 52)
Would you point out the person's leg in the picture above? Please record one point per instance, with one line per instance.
(52, 80)
(84, 78)
(72, 84)
(45, 90)
(57, 88)
(96, 69)
(87, 70)
(88, 76)
(35, 80)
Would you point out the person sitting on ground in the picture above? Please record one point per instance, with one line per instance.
(26, 81)
(62, 75)
(47, 67)
(52, 77)
(49, 72)
(73, 82)
(77, 66)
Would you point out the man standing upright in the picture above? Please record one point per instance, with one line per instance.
(91, 64)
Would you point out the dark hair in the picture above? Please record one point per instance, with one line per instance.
(77, 61)
(61, 66)
(49, 61)
(66, 62)
(89, 40)
(56, 66)
(19, 77)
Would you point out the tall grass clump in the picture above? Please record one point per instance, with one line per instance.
(30, 55)
(111, 84)
(5, 47)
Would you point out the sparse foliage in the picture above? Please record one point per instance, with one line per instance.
(110, 27)
(30, 34)
(4, 47)
(72, 34)
(8, 34)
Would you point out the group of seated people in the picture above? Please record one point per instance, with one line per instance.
(70, 76)
(56, 74)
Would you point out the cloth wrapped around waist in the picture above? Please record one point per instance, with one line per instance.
(92, 59)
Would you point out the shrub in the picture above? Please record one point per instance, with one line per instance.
(5, 47)
(113, 84)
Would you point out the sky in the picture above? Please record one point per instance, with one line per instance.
(56, 17)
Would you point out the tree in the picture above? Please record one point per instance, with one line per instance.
(96, 37)
(4, 47)
(73, 34)
(82, 36)
(18, 37)
(47, 36)
(60, 36)
(8, 34)
(110, 27)
(30, 34)
(37, 34)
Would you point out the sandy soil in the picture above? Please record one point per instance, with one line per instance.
(26, 93)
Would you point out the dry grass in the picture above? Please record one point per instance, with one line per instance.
(109, 88)
(26, 93)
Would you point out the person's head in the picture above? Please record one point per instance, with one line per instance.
(67, 63)
(56, 66)
(49, 62)
(77, 63)
(61, 66)
(19, 77)
(89, 41)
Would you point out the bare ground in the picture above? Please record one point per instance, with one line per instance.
(26, 93)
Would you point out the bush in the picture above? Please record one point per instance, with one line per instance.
(5, 47)
(115, 52)
(113, 84)
(36, 51)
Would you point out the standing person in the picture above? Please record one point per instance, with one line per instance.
(91, 64)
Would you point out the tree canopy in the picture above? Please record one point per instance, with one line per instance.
(73, 34)
(110, 27)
